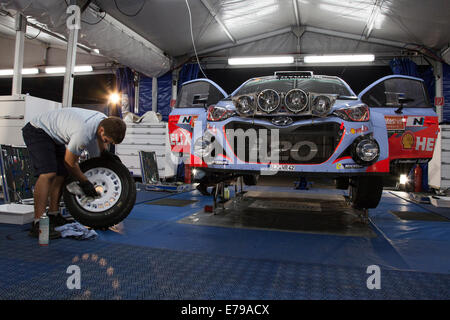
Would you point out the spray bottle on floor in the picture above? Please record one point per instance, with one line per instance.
(44, 229)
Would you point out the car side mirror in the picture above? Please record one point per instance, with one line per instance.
(401, 102)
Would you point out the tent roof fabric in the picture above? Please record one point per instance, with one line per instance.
(250, 27)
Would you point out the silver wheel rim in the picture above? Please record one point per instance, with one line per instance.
(108, 184)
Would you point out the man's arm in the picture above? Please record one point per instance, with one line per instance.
(71, 163)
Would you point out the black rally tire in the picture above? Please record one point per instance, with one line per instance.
(365, 192)
(118, 212)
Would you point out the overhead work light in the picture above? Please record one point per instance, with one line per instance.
(260, 60)
(340, 58)
(10, 72)
(53, 70)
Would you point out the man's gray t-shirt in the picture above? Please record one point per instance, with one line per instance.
(74, 127)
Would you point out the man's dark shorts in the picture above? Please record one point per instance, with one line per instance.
(46, 155)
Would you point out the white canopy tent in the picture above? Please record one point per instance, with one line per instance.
(152, 36)
(155, 36)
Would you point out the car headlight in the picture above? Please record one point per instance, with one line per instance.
(365, 150)
(219, 113)
(245, 105)
(268, 100)
(359, 113)
(296, 100)
(321, 105)
(204, 145)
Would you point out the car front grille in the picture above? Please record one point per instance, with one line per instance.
(303, 144)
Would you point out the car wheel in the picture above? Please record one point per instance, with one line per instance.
(117, 187)
(251, 179)
(365, 192)
(341, 183)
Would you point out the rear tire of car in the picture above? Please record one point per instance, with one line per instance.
(251, 179)
(365, 192)
(113, 215)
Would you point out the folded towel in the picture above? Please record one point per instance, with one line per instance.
(77, 231)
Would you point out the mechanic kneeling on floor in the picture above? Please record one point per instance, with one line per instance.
(47, 136)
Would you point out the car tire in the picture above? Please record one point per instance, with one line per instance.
(342, 183)
(251, 179)
(122, 205)
(365, 192)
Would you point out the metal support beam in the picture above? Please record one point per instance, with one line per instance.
(439, 90)
(154, 94)
(214, 13)
(70, 66)
(298, 21)
(346, 35)
(175, 79)
(299, 32)
(247, 40)
(21, 29)
(136, 92)
(373, 17)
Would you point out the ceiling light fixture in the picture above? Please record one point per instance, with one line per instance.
(10, 72)
(340, 58)
(53, 70)
(261, 60)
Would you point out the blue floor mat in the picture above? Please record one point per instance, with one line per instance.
(120, 271)
(151, 256)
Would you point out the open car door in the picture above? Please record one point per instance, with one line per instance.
(192, 103)
(411, 122)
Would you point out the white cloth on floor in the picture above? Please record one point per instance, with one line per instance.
(77, 231)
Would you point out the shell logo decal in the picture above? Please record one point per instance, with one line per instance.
(408, 140)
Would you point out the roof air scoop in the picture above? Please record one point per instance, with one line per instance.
(293, 74)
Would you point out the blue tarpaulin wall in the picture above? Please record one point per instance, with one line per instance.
(188, 72)
(164, 95)
(446, 92)
(404, 66)
(125, 84)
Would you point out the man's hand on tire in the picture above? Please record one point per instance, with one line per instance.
(89, 189)
(109, 156)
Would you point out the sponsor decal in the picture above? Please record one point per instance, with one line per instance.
(339, 166)
(352, 166)
(222, 162)
(408, 140)
(359, 130)
(395, 122)
(188, 119)
(415, 121)
(284, 167)
(180, 138)
(425, 144)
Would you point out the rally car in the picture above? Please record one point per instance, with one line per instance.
(303, 124)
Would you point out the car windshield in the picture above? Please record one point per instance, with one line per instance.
(323, 85)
